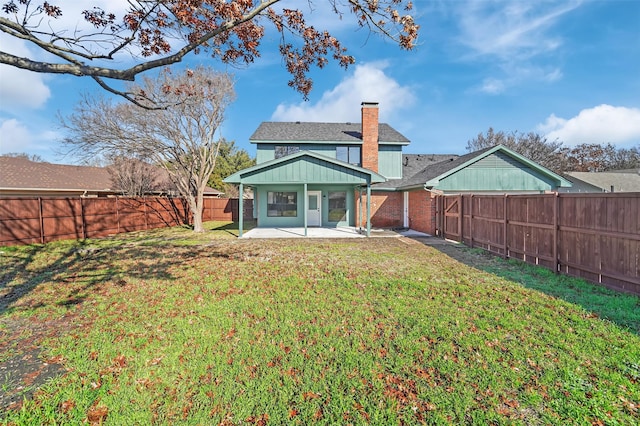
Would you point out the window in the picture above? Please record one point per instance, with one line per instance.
(282, 204)
(284, 150)
(337, 206)
(349, 154)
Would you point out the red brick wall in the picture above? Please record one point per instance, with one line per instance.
(422, 211)
(386, 209)
(370, 136)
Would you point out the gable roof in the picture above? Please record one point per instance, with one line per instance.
(310, 132)
(432, 174)
(620, 181)
(21, 173)
(413, 164)
(243, 175)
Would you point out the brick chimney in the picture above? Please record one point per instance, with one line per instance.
(370, 135)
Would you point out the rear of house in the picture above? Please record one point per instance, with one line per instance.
(356, 174)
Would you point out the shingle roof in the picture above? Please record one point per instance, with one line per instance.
(412, 165)
(309, 132)
(434, 170)
(20, 173)
(621, 182)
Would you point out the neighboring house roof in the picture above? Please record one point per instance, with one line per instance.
(20, 173)
(579, 185)
(285, 170)
(610, 181)
(432, 174)
(309, 132)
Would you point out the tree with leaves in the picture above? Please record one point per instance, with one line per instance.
(159, 33)
(530, 145)
(230, 160)
(179, 136)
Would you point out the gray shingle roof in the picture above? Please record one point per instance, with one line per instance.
(310, 132)
(414, 164)
(621, 182)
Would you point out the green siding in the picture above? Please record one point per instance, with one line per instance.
(390, 161)
(305, 169)
(496, 172)
(266, 151)
(265, 221)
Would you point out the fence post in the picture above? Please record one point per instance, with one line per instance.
(41, 220)
(471, 221)
(556, 219)
(117, 216)
(82, 218)
(460, 217)
(505, 225)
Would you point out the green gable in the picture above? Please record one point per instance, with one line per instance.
(305, 167)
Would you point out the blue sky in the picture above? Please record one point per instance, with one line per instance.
(569, 70)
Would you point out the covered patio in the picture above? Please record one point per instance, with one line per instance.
(293, 193)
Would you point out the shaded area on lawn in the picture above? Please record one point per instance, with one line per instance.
(620, 308)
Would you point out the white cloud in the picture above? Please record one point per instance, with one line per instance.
(16, 136)
(511, 30)
(600, 124)
(341, 104)
(24, 89)
(515, 36)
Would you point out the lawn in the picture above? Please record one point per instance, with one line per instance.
(167, 327)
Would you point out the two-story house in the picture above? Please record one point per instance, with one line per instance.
(355, 174)
(321, 174)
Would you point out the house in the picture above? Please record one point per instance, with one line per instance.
(614, 181)
(20, 177)
(355, 174)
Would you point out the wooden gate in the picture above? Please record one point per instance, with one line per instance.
(449, 217)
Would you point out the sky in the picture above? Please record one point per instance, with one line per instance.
(568, 70)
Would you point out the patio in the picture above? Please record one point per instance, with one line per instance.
(341, 232)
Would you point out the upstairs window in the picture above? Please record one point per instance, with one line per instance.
(284, 150)
(349, 154)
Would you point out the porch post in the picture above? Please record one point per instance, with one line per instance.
(306, 209)
(368, 210)
(360, 208)
(240, 208)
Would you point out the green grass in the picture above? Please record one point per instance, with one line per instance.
(169, 327)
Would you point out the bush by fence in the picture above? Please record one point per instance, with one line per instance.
(594, 236)
(44, 219)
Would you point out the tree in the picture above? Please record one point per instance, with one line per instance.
(179, 137)
(133, 177)
(591, 157)
(530, 145)
(31, 157)
(158, 33)
(230, 160)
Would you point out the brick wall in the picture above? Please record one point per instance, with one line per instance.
(386, 209)
(422, 211)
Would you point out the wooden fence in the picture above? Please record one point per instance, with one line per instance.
(593, 236)
(43, 219)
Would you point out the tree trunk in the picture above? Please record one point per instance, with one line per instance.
(197, 212)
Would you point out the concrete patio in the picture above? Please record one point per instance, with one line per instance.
(342, 232)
